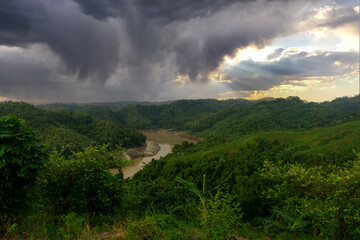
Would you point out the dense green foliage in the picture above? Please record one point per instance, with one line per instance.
(173, 115)
(271, 169)
(329, 197)
(219, 215)
(79, 130)
(22, 158)
(231, 118)
(95, 106)
(103, 132)
(82, 183)
(279, 114)
(236, 166)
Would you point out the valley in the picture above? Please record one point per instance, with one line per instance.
(159, 144)
(267, 169)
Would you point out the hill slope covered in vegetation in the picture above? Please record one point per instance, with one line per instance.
(209, 117)
(271, 169)
(61, 128)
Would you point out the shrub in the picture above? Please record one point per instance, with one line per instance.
(219, 214)
(220, 217)
(22, 158)
(72, 225)
(328, 197)
(82, 183)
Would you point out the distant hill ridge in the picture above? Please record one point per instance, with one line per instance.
(61, 128)
(84, 124)
(210, 117)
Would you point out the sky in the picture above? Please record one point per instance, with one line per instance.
(141, 50)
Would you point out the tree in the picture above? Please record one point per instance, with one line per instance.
(22, 158)
(82, 182)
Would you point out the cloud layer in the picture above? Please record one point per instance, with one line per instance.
(90, 50)
(289, 66)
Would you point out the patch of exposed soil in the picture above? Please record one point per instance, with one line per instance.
(148, 149)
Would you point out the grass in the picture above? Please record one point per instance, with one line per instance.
(158, 226)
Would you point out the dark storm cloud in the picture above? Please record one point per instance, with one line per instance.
(155, 32)
(101, 9)
(15, 22)
(332, 17)
(275, 54)
(21, 76)
(164, 11)
(25, 78)
(354, 18)
(137, 45)
(87, 47)
(250, 75)
(339, 17)
(204, 43)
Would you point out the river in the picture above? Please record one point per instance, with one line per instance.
(166, 140)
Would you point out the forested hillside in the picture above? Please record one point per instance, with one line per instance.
(227, 118)
(95, 105)
(268, 169)
(277, 114)
(236, 165)
(173, 115)
(59, 129)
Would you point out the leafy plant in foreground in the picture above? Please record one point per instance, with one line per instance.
(219, 215)
(22, 158)
(282, 221)
(328, 197)
(82, 183)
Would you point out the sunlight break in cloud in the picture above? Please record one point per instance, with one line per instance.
(323, 65)
(79, 50)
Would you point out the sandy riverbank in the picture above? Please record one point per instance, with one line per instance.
(159, 143)
(149, 149)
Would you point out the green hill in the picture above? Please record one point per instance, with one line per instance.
(235, 164)
(172, 115)
(277, 114)
(61, 128)
(213, 118)
(95, 105)
(267, 169)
